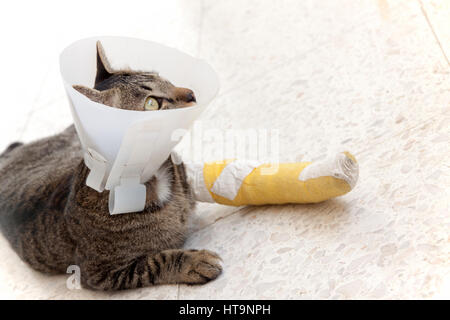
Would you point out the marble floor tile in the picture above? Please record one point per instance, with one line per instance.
(350, 94)
(244, 42)
(388, 238)
(437, 13)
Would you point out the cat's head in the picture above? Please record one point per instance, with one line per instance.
(134, 90)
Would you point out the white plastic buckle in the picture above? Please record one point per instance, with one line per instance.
(129, 196)
(97, 165)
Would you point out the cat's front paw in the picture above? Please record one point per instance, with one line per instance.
(201, 266)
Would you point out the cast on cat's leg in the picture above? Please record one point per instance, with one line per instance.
(166, 267)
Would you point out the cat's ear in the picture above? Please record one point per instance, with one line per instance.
(104, 70)
(109, 97)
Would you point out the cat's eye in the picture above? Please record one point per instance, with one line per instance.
(151, 104)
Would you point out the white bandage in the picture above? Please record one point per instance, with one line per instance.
(340, 167)
(230, 179)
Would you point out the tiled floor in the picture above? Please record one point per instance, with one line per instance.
(371, 76)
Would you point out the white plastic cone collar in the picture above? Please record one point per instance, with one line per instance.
(124, 148)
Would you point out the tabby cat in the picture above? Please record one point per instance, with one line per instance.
(53, 220)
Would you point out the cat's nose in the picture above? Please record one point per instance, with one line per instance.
(185, 95)
(190, 97)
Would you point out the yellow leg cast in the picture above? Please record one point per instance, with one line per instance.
(237, 183)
